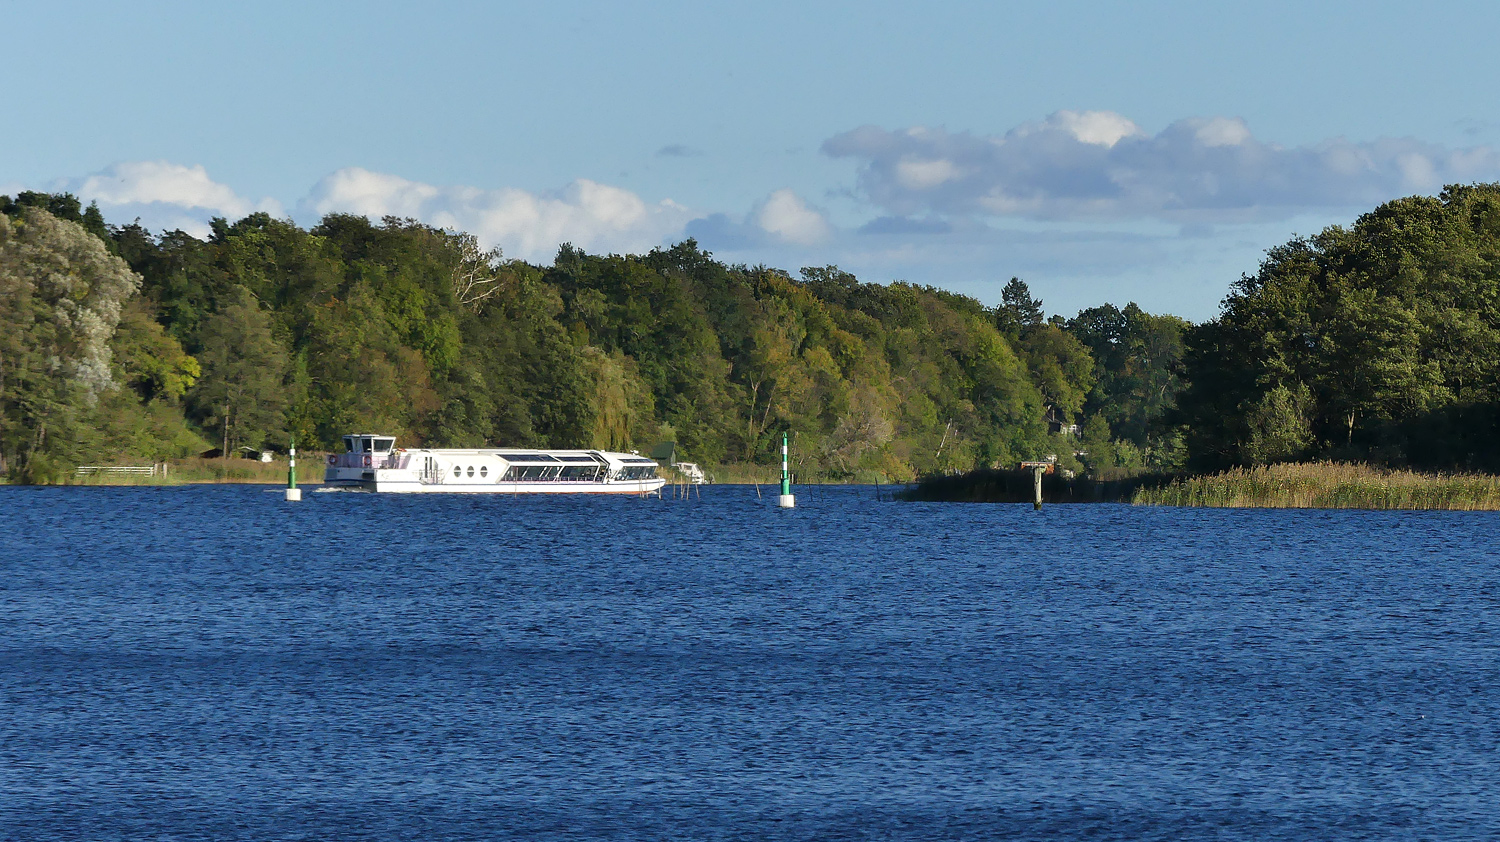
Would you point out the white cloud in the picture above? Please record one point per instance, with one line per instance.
(1098, 164)
(164, 195)
(924, 175)
(360, 191)
(1100, 128)
(780, 224)
(145, 182)
(785, 215)
(592, 216)
(1223, 131)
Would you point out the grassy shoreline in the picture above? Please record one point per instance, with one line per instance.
(1315, 485)
(1328, 485)
(197, 471)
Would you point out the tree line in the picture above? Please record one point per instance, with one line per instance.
(265, 332)
(1376, 342)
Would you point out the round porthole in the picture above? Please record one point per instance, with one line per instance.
(457, 471)
(471, 470)
(484, 471)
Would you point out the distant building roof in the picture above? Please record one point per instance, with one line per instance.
(665, 452)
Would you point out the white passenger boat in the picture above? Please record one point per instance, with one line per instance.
(374, 463)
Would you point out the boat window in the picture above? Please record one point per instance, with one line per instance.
(457, 471)
(532, 473)
(364, 445)
(484, 470)
(579, 473)
(471, 470)
(348, 444)
(384, 445)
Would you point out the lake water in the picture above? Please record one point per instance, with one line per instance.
(216, 663)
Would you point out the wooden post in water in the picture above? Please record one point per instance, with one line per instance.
(1037, 469)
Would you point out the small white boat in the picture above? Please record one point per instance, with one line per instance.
(373, 463)
(691, 472)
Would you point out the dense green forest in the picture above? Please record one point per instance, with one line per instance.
(1378, 342)
(266, 331)
(1375, 342)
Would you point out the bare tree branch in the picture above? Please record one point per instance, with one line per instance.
(477, 275)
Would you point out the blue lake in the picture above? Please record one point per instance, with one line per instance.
(216, 663)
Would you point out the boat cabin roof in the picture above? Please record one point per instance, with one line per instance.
(369, 443)
(377, 443)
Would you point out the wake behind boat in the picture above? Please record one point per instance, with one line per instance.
(374, 463)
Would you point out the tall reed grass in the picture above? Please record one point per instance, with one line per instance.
(1327, 485)
(194, 470)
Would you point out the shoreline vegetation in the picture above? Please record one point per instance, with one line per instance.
(1294, 485)
(1328, 485)
(1309, 485)
(1001, 485)
(207, 471)
(1368, 344)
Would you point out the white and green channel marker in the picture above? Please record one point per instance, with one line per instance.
(787, 500)
(292, 491)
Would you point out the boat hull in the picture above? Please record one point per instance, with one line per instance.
(408, 485)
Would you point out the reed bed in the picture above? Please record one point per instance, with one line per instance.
(309, 469)
(195, 470)
(1327, 485)
(749, 473)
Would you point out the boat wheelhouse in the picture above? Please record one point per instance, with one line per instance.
(372, 462)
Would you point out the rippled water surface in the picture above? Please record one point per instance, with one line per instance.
(216, 663)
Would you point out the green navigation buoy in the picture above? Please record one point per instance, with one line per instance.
(292, 491)
(787, 500)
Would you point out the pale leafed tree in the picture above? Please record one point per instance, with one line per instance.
(61, 292)
(864, 428)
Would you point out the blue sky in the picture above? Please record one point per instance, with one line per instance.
(1101, 151)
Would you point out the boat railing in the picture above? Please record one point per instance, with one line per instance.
(368, 461)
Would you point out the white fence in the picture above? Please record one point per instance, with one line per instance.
(137, 470)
